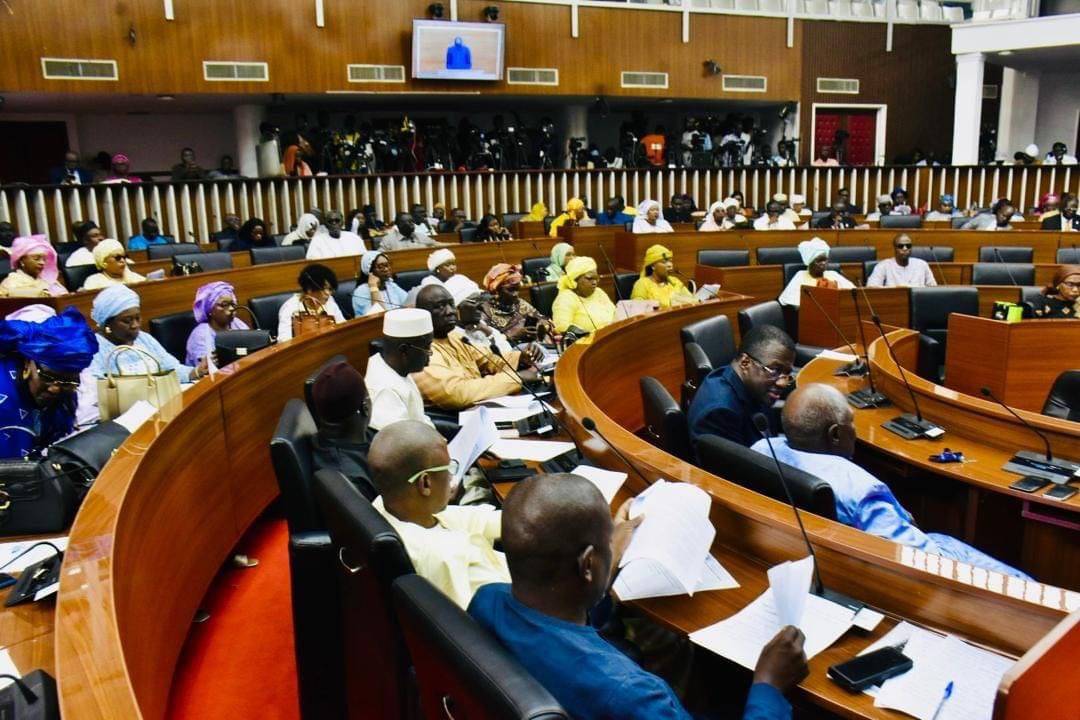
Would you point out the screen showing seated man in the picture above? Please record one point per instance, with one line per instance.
(457, 51)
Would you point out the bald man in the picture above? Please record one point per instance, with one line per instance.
(450, 546)
(562, 546)
(819, 429)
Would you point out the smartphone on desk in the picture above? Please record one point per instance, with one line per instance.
(873, 668)
(1061, 492)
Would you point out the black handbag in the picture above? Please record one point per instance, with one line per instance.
(183, 268)
(81, 457)
(231, 345)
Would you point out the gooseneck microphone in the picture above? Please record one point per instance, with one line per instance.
(937, 264)
(611, 269)
(866, 397)
(589, 424)
(907, 426)
(1008, 270)
(856, 368)
(987, 392)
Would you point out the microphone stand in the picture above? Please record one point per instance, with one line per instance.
(1008, 270)
(1025, 462)
(907, 426)
(589, 424)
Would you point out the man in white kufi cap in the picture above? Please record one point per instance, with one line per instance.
(407, 334)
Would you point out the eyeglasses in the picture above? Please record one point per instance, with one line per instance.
(774, 373)
(50, 380)
(451, 467)
(1071, 285)
(903, 246)
(121, 258)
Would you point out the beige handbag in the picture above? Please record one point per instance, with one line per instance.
(311, 318)
(117, 393)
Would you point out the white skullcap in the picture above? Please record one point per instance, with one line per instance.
(729, 202)
(461, 288)
(780, 197)
(798, 200)
(437, 258)
(884, 199)
(810, 250)
(1032, 150)
(406, 323)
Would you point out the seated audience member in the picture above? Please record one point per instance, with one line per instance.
(900, 202)
(111, 259)
(751, 383)
(581, 307)
(490, 230)
(681, 209)
(187, 168)
(120, 171)
(741, 206)
(1059, 155)
(561, 254)
(226, 169)
(798, 212)
(473, 326)
(423, 225)
(902, 270)
(317, 285)
(575, 213)
(885, 207)
(442, 264)
(151, 235)
(1028, 156)
(336, 242)
(306, 227)
(33, 269)
(819, 438)
(837, 219)
(537, 213)
(70, 173)
(40, 364)
(458, 374)
(734, 218)
(1061, 299)
(215, 311)
(457, 221)
(515, 318)
(658, 282)
(613, 214)
(376, 290)
(373, 226)
(406, 347)
(1049, 206)
(344, 437)
(825, 158)
(815, 254)
(89, 235)
(252, 234)
(563, 553)
(403, 236)
(451, 546)
(1067, 220)
(230, 230)
(116, 313)
(714, 218)
(296, 149)
(7, 234)
(844, 195)
(773, 219)
(438, 212)
(650, 220)
(998, 218)
(946, 209)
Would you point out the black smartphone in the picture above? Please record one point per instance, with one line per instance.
(873, 668)
(1061, 492)
(1029, 484)
(6, 580)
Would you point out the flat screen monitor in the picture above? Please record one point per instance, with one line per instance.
(445, 50)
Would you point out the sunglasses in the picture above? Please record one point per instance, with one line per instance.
(903, 246)
(50, 380)
(451, 467)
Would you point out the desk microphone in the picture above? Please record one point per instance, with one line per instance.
(865, 398)
(589, 424)
(937, 264)
(1008, 270)
(614, 277)
(987, 392)
(690, 284)
(907, 426)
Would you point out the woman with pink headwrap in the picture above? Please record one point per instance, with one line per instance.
(34, 273)
(507, 312)
(215, 311)
(121, 170)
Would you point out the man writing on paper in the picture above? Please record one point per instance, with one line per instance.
(819, 438)
(562, 549)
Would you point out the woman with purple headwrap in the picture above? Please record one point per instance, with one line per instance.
(215, 311)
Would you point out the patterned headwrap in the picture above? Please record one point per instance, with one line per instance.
(63, 343)
(112, 301)
(501, 274)
(577, 267)
(1059, 277)
(207, 296)
(36, 244)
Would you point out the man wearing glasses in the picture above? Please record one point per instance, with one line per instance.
(451, 546)
(902, 270)
(730, 396)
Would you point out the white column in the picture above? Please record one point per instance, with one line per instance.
(576, 122)
(247, 118)
(968, 108)
(1016, 117)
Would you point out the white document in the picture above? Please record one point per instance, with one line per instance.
(790, 585)
(833, 355)
(743, 636)
(535, 450)
(607, 482)
(515, 401)
(501, 414)
(10, 550)
(136, 415)
(7, 667)
(639, 585)
(707, 291)
(476, 435)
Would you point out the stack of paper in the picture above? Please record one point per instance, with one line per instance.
(535, 450)
(476, 435)
(607, 482)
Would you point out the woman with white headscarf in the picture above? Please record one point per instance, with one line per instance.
(376, 290)
(649, 219)
(815, 255)
(306, 227)
(714, 218)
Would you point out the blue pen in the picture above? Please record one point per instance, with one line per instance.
(944, 697)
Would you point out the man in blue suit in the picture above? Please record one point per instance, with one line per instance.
(458, 56)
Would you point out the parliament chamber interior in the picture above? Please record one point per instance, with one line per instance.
(539, 359)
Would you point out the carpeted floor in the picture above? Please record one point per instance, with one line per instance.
(240, 663)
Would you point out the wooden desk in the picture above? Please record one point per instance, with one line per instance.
(820, 305)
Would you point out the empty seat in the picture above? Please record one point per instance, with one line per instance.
(715, 336)
(994, 273)
(933, 253)
(778, 255)
(900, 221)
(509, 219)
(74, 277)
(1006, 254)
(467, 234)
(1063, 400)
(624, 284)
(723, 258)
(343, 297)
(542, 297)
(930, 310)
(163, 252)
(772, 313)
(172, 332)
(265, 309)
(852, 254)
(408, 279)
(1068, 256)
(535, 268)
(207, 261)
(665, 421)
(265, 255)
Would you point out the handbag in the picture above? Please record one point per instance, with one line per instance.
(34, 501)
(311, 318)
(231, 345)
(183, 268)
(117, 393)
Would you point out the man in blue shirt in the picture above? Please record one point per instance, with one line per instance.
(730, 396)
(614, 214)
(151, 235)
(562, 548)
(458, 56)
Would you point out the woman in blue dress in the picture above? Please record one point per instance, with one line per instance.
(376, 290)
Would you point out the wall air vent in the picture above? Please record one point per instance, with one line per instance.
(745, 83)
(224, 71)
(990, 92)
(842, 86)
(376, 73)
(76, 69)
(650, 80)
(532, 76)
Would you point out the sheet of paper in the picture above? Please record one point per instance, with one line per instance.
(515, 401)
(643, 579)
(476, 435)
(742, 636)
(136, 415)
(7, 667)
(790, 585)
(707, 291)
(501, 414)
(10, 550)
(535, 450)
(607, 482)
(867, 619)
(833, 355)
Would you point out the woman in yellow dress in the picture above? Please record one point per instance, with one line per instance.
(658, 282)
(581, 307)
(111, 259)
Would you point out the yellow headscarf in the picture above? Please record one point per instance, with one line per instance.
(653, 255)
(574, 269)
(574, 204)
(539, 212)
(104, 249)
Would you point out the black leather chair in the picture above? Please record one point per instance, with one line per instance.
(665, 421)
(716, 340)
(408, 279)
(852, 254)
(723, 258)
(5, 269)
(792, 269)
(265, 255)
(778, 256)
(995, 273)
(74, 277)
(547, 224)
(1064, 399)
(278, 237)
(163, 252)
(542, 297)
(624, 284)
(223, 243)
(900, 221)
(958, 222)
(462, 671)
(697, 366)
(343, 297)
(536, 268)
(818, 215)
(772, 313)
(1006, 254)
(930, 310)
(313, 570)
(265, 309)
(209, 261)
(370, 555)
(508, 219)
(172, 332)
(309, 384)
(757, 471)
(1068, 256)
(933, 253)
(867, 269)
(467, 234)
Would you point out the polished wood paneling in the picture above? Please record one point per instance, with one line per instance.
(1044, 677)
(892, 305)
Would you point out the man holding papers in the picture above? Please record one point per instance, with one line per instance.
(562, 548)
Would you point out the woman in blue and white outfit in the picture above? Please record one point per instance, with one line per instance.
(376, 290)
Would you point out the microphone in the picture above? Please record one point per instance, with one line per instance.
(589, 424)
(873, 396)
(28, 695)
(1008, 270)
(857, 368)
(987, 392)
(907, 426)
(937, 264)
(690, 284)
(864, 398)
(614, 277)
